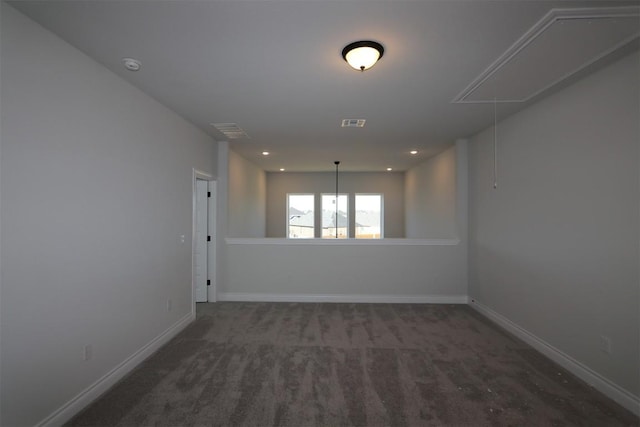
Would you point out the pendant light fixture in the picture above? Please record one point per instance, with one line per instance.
(363, 54)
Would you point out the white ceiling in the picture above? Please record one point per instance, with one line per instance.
(275, 69)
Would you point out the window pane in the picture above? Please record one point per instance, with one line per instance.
(300, 217)
(329, 211)
(368, 216)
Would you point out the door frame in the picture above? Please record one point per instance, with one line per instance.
(211, 226)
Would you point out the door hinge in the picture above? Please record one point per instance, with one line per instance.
(208, 193)
(208, 238)
(208, 282)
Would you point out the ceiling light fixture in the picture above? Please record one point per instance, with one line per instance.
(282, 169)
(363, 54)
(131, 64)
(265, 153)
(412, 152)
(389, 169)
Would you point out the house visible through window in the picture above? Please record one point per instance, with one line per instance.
(367, 216)
(368, 211)
(335, 219)
(300, 210)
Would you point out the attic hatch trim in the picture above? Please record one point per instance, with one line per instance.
(552, 17)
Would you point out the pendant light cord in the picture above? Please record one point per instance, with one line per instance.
(336, 224)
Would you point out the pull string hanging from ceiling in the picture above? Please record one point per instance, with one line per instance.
(337, 163)
(495, 144)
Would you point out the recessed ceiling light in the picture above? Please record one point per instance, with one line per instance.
(265, 153)
(389, 169)
(131, 64)
(281, 169)
(413, 152)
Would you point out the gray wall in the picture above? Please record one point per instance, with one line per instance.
(246, 199)
(430, 197)
(96, 191)
(390, 184)
(386, 270)
(555, 248)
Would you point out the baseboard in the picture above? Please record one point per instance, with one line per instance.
(597, 381)
(88, 395)
(398, 299)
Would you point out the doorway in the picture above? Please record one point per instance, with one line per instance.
(204, 238)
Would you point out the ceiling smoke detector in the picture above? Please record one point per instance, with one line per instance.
(230, 130)
(131, 64)
(353, 123)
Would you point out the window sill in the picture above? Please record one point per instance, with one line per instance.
(341, 242)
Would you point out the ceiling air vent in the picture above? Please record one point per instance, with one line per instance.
(353, 123)
(230, 130)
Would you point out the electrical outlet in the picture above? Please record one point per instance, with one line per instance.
(169, 304)
(88, 352)
(605, 344)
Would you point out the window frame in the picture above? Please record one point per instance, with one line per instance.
(348, 218)
(355, 215)
(289, 218)
(316, 225)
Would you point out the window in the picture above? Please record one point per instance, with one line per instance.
(335, 219)
(368, 216)
(300, 216)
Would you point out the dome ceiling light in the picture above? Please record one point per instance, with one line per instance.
(362, 55)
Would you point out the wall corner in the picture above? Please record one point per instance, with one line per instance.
(462, 203)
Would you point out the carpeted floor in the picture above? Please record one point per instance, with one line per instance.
(287, 364)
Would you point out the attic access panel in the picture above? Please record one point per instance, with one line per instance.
(564, 42)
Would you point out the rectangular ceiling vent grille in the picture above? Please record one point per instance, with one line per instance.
(230, 130)
(561, 44)
(353, 123)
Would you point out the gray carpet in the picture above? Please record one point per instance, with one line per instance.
(287, 364)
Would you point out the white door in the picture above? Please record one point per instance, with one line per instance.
(211, 248)
(200, 248)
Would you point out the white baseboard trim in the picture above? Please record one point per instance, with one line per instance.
(88, 395)
(597, 381)
(398, 299)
